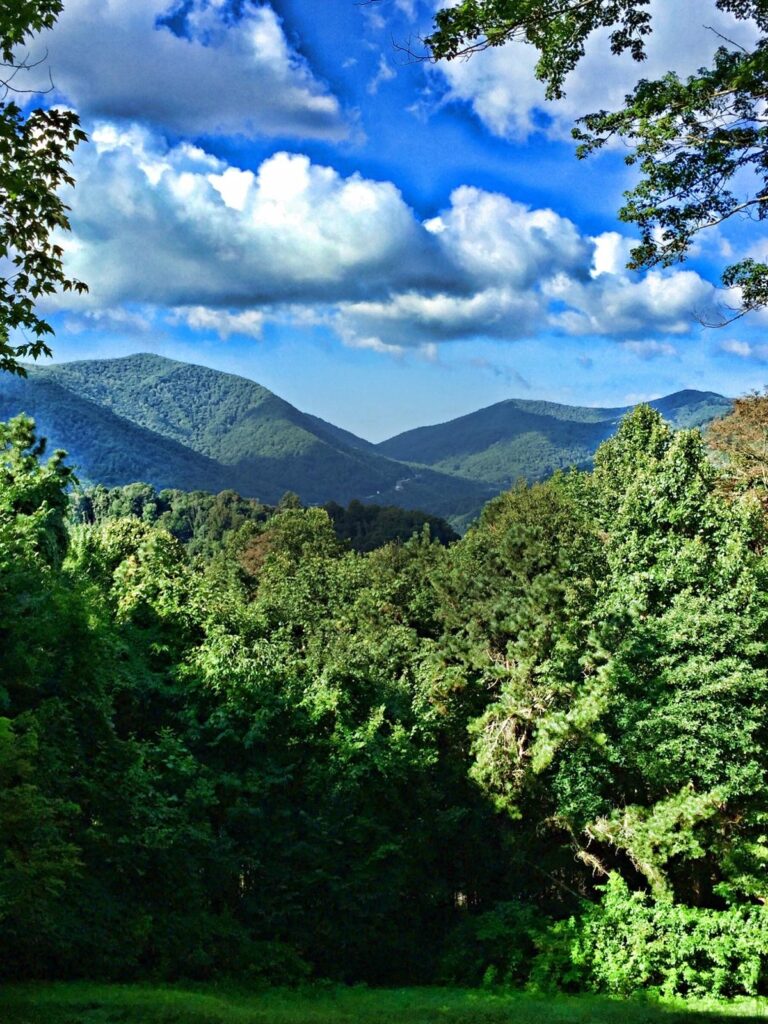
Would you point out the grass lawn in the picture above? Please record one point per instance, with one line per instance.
(88, 1003)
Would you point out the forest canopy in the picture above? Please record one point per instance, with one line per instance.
(534, 756)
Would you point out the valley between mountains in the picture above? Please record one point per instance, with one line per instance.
(175, 425)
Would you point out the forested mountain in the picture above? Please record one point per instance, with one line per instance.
(101, 444)
(171, 424)
(519, 439)
(176, 425)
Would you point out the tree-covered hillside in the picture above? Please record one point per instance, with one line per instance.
(529, 440)
(104, 446)
(203, 429)
(176, 425)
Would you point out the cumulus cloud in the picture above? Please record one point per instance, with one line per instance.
(611, 253)
(117, 59)
(500, 86)
(622, 306)
(494, 239)
(212, 235)
(222, 249)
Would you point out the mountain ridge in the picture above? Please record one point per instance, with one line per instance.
(174, 424)
(523, 438)
(254, 441)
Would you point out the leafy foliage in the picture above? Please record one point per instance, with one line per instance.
(699, 143)
(534, 756)
(557, 29)
(367, 527)
(740, 440)
(208, 524)
(35, 154)
(628, 943)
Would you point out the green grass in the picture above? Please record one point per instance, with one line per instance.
(87, 1003)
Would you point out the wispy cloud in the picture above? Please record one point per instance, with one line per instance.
(384, 73)
(746, 350)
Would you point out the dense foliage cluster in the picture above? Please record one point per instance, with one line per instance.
(207, 524)
(35, 155)
(231, 745)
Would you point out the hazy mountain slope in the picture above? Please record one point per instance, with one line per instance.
(103, 447)
(689, 408)
(335, 434)
(250, 440)
(519, 438)
(172, 424)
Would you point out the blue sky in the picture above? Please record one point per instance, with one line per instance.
(277, 190)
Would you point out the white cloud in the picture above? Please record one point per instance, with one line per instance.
(411, 318)
(114, 59)
(500, 86)
(117, 320)
(407, 7)
(745, 350)
(611, 253)
(621, 306)
(495, 239)
(209, 234)
(225, 249)
(248, 323)
(650, 349)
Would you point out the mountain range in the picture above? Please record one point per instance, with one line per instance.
(173, 424)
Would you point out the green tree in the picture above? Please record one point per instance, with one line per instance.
(700, 143)
(630, 702)
(30, 489)
(515, 601)
(37, 856)
(35, 155)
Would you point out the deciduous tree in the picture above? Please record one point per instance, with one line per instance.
(35, 158)
(699, 142)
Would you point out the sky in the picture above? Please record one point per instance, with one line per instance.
(280, 190)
